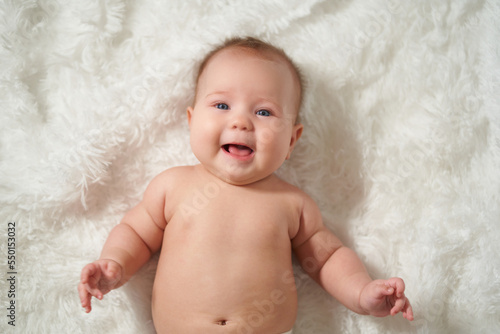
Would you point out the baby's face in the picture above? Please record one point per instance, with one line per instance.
(243, 122)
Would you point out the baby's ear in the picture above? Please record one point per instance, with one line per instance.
(189, 114)
(296, 133)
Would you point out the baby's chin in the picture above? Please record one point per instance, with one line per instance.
(238, 179)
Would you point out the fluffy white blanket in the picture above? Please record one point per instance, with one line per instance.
(401, 148)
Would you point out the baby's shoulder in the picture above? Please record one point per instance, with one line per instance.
(173, 177)
(294, 192)
(177, 173)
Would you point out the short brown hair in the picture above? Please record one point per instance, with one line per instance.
(260, 47)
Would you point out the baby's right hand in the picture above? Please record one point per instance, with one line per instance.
(97, 279)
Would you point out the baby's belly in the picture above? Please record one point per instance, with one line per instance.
(219, 288)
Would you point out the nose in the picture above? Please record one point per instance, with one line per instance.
(240, 121)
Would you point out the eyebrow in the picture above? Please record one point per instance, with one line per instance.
(219, 92)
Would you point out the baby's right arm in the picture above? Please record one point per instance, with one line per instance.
(129, 245)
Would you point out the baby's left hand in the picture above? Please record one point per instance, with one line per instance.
(383, 297)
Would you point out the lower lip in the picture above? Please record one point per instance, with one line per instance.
(239, 157)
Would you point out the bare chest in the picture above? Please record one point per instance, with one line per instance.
(235, 211)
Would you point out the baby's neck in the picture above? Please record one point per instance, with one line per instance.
(220, 177)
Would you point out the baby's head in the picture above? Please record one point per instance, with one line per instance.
(244, 119)
(257, 48)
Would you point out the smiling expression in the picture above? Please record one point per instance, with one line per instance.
(242, 124)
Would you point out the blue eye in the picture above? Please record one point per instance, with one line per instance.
(222, 106)
(263, 112)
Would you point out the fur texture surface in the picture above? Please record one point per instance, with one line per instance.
(401, 147)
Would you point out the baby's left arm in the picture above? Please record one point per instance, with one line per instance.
(340, 271)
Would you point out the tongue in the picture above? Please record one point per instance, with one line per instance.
(239, 150)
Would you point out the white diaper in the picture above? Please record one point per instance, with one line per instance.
(289, 332)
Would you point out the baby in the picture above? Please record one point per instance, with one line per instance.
(227, 226)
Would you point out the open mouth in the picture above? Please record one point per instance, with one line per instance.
(238, 151)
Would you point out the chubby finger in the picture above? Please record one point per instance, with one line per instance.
(89, 286)
(398, 284)
(384, 289)
(94, 291)
(399, 304)
(88, 271)
(90, 277)
(84, 297)
(387, 290)
(403, 305)
(408, 311)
